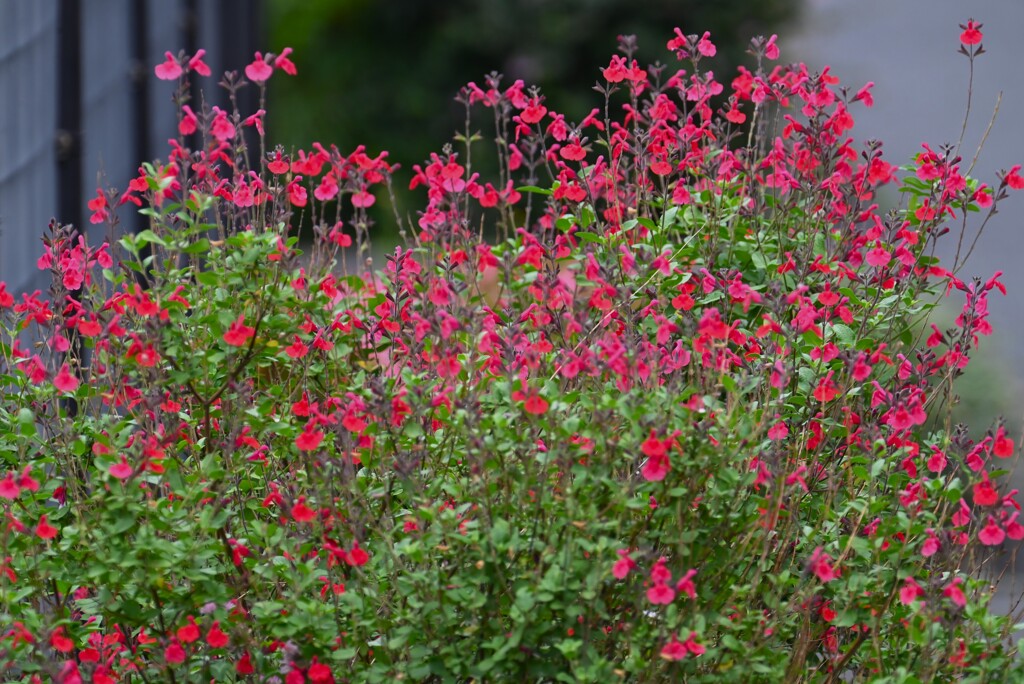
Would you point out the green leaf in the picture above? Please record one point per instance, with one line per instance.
(27, 422)
(534, 189)
(147, 236)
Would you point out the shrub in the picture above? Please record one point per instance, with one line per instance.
(667, 425)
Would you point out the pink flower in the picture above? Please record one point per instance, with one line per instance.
(705, 46)
(686, 585)
(910, 591)
(197, 64)
(778, 431)
(985, 494)
(655, 468)
(674, 649)
(258, 70)
(9, 489)
(188, 123)
(954, 593)
(222, 129)
(169, 69)
(931, 545)
(771, 50)
(1014, 179)
(992, 534)
(284, 64)
(661, 594)
(864, 94)
(65, 381)
(623, 565)
(821, 565)
(677, 650)
(363, 199)
(121, 470)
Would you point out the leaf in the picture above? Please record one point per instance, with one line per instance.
(584, 236)
(147, 236)
(27, 422)
(534, 189)
(200, 246)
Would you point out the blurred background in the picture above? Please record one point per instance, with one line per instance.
(81, 107)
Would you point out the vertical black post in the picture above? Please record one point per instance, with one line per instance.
(190, 37)
(139, 19)
(69, 140)
(69, 113)
(239, 24)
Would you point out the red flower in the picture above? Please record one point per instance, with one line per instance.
(297, 349)
(357, 557)
(310, 438)
(319, 672)
(971, 34)
(45, 530)
(652, 447)
(1014, 179)
(244, 665)
(239, 333)
(301, 512)
(174, 654)
(216, 638)
(189, 632)
(534, 112)
(985, 494)
(297, 194)
(536, 405)
(1003, 446)
(60, 641)
(279, 165)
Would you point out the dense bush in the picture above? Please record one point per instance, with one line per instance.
(667, 427)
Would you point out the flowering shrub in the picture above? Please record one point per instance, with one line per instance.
(664, 422)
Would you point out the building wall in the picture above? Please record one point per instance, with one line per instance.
(82, 108)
